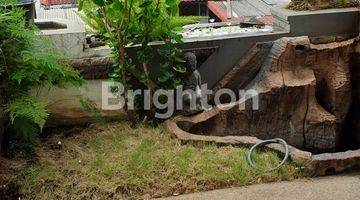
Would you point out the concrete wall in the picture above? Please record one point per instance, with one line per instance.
(331, 22)
(69, 40)
(65, 107)
(327, 22)
(230, 49)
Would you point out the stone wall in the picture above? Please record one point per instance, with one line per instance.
(305, 93)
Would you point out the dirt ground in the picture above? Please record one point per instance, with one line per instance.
(321, 4)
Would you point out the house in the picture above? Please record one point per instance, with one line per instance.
(193, 8)
(57, 2)
(57, 9)
(220, 11)
(231, 11)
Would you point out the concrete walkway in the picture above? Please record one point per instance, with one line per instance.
(343, 187)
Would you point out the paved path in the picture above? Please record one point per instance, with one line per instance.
(343, 187)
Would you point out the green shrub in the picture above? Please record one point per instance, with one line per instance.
(24, 65)
(178, 22)
(138, 22)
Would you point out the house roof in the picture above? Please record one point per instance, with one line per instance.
(244, 9)
(57, 2)
(68, 14)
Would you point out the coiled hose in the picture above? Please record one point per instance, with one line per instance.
(264, 142)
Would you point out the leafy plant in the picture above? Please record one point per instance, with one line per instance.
(177, 22)
(90, 107)
(24, 65)
(342, 1)
(138, 22)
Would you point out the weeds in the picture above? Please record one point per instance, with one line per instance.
(321, 4)
(117, 161)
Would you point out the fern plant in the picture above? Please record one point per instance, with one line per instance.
(24, 65)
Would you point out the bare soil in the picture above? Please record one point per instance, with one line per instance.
(302, 5)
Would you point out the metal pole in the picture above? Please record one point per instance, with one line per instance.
(228, 9)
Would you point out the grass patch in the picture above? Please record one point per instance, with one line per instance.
(178, 22)
(117, 161)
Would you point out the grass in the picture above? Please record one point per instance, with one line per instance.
(178, 22)
(120, 162)
(321, 4)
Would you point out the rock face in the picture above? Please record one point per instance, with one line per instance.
(304, 92)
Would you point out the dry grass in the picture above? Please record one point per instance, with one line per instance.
(321, 4)
(120, 162)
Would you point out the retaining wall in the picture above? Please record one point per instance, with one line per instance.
(228, 50)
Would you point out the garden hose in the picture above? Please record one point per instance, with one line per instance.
(264, 142)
